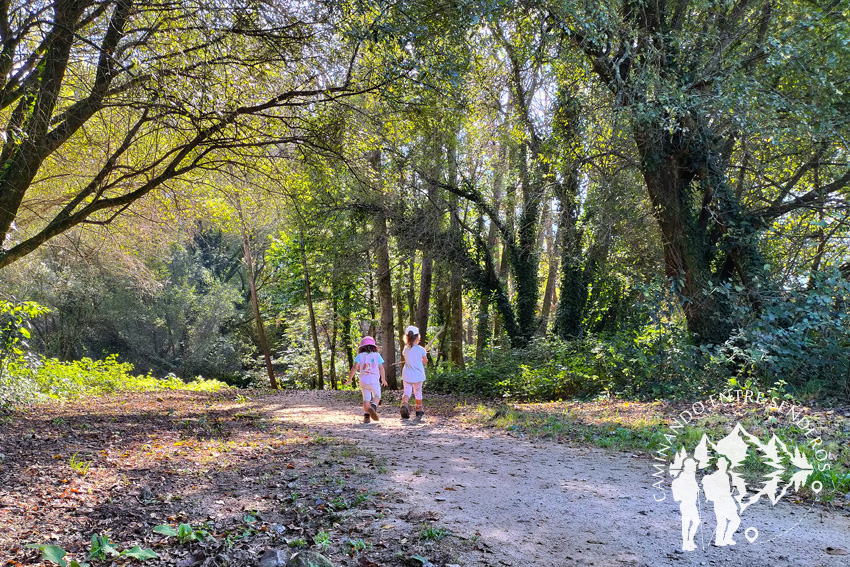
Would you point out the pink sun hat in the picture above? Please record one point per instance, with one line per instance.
(367, 340)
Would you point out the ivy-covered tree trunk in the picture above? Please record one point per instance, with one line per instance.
(679, 168)
(706, 238)
(573, 287)
(524, 256)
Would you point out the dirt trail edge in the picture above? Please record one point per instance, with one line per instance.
(541, 503)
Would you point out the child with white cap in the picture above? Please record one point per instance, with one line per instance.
(370, 364)
(413, 371)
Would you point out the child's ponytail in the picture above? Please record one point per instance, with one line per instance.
(410, 335)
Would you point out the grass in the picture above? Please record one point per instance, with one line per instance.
(79, 466)
(359, 544)
(431, 533)
(322, 540)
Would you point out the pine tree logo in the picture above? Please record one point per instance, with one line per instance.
(724, 468)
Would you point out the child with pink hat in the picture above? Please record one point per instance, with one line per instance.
(370, 364)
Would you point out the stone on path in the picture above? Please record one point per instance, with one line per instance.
(273, 558)
(309, 559)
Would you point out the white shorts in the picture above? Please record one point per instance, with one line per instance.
(414, 389)
(371, 391)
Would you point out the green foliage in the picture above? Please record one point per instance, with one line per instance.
(430, 533)
(188, 303)
(656, 362)
(184, 533)
(56, 554)
(53, 379)
(322, 539)
(359, 544)
(101, 547)
(137, 552)
(800, 336)
(15, 325)
(81, 468)
(98, 377)
(15, 358)
(166, 530)
(297, 543)
(798, 341)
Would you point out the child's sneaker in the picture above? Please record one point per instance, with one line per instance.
(373, 411)
(366, 418)
(419, 413)
(405, 412)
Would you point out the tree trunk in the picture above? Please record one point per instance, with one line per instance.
(373, 316)
(504, 261)
(668, 171)
(385, 299)
(385, 284)
(455, 310)
(411, 291)
(551, 277)
(261, 331)
(573, 295)
(399, 303)
(346, 327)
(442, 292)
(334, 332)
(423, 308)
(313, 330)
(424, 305)
(483, 328)
(572, 298)
(524, 258)
(706, 238)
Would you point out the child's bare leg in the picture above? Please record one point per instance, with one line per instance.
(417, 393)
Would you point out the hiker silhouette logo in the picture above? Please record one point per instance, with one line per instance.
(716, 483)
(724, 486)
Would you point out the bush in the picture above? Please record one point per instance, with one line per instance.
(50, 378)
(655, 362)
(15, 358)
(88, 377)
(800, 337)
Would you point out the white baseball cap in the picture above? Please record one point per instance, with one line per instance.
(411, 329)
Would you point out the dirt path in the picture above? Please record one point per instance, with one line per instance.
(548, 504)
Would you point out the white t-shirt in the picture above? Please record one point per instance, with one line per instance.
(370, 371)
(413, 370)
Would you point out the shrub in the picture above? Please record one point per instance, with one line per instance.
(657, 361)
(53, 379)
(15, 358)
(800, 336)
